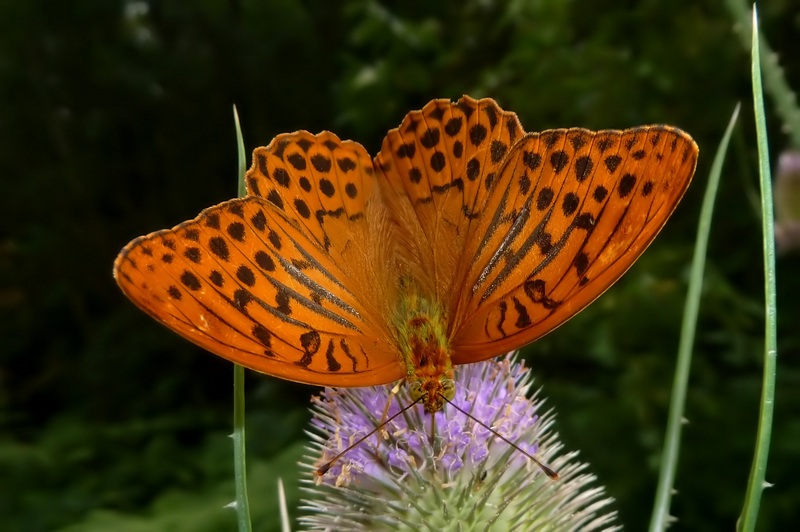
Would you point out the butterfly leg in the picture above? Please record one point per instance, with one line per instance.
(395, 390)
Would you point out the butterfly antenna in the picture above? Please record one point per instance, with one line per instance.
(545, 469)
(321, 470)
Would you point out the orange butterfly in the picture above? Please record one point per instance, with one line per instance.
(465, 238)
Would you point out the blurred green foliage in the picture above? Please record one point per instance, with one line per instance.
(115, 120)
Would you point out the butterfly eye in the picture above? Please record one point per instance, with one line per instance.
(415, 390)
(448, 389)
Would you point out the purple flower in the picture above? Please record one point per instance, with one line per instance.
(434, 471)
(787, 202)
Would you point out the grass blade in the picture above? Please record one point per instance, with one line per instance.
(756, 483)
(242, 504)
(669, 457)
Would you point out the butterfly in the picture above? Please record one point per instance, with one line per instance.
(465, 238)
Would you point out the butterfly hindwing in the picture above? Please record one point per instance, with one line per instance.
(319, 182)
(438, 165)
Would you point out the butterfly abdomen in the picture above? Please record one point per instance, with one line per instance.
(422, 334)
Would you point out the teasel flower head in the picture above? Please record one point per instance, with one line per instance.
(446, 470)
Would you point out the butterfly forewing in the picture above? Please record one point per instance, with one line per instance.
(245, 282)
(573, 209)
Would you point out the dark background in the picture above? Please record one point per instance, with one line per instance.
(115, 120)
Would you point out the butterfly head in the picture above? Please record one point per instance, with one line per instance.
(432, 392)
